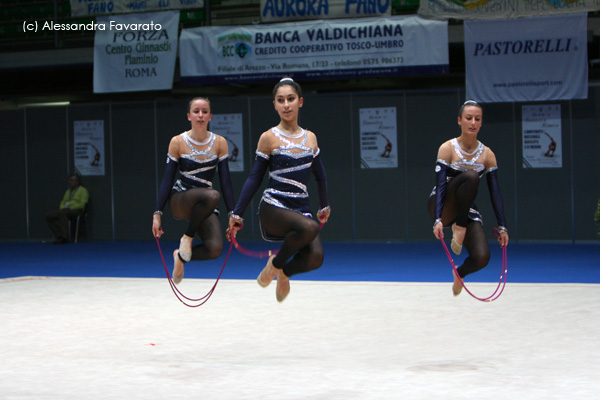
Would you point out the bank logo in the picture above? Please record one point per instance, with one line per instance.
(241, 49)
(234, 44)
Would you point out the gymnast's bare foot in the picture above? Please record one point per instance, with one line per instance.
(457, 285)
(458, 237)
(177, 268)
(185, 247)
(268, 273)
(283, 286)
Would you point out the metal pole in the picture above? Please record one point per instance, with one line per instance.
(207, 12)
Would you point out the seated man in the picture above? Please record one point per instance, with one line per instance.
(72, 205)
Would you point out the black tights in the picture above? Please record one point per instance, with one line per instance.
(460, 194)
(478, 248)
(302, 242)
(197, 205)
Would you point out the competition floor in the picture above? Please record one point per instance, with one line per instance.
(378, 321)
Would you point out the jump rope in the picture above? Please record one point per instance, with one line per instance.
(187, 301)
(503, 273)
(190, 302)
(180, 296)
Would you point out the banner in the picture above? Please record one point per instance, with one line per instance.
(527, 59)
(88, 144)
(542, 136)
(103, 7)
(494, 9)
(289, 10)
(352, 48)
(378, 138)
(135, 52)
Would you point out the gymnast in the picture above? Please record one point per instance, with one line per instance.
(291, 153)
(196, 154)
(461, 163)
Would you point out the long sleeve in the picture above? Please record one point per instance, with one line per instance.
(225, 183)
(318, 170)
(167, 183)
(496, 196)
(252, 183)
(441, 173)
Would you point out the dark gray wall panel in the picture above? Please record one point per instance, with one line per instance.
(586, 174)
(47, 163)
(13, 163)
(132, 131)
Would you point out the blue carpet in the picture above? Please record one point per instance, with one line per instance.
(391, 262)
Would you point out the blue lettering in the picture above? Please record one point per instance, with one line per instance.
(366, 7)
(291, 8)
(101, 8)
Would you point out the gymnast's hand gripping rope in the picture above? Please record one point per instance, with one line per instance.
(180, 296)
(503, 273)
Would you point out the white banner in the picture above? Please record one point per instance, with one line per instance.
(135, 52)
(289, 10)
(542, 136)
(88, 144)
(230, 127)
(352, 48)
(378, 138)
(494, 9)
(527, 59)
(103, 7)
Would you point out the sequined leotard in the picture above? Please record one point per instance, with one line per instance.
(457, 167)
(289, 172)
(197, 168)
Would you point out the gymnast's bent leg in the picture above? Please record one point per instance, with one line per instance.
(210, 248)
(478, 248)
(466, 192)
(460, 194)
(212, 240)
(301, 243)
(195, 205)
(479, 253)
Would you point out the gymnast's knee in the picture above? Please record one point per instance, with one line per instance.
(315, 260)
(213, 197)
(214, 249)
(471, 177)
(310, 228)
(480, 260)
